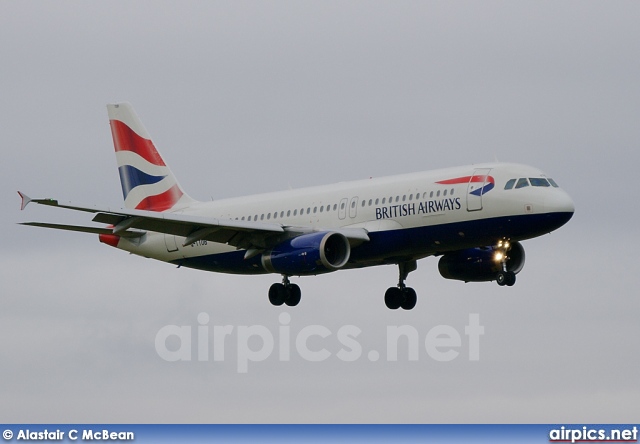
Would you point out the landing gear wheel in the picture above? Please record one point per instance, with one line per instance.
(396, 297)
(501, 278)
(284, 293)
(277, 294)
(511, 279)
(410, 298)
(393, 297)
(402, 296)
(507, 278)
(293, 295)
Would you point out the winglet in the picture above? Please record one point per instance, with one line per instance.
(25, 200)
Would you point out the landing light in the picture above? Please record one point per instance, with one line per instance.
(498, 256)
(503, 244)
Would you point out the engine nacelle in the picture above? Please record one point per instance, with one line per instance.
(480, 264)
(312, 253)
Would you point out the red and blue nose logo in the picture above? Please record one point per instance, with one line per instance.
(487, 183)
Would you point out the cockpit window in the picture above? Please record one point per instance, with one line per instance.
(539, 182)
(553, 183)
(509, 184)
(523, 182)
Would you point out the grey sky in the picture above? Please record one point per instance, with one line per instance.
(245, 97)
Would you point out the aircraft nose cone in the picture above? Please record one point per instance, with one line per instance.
(565, 204)
(560, 204)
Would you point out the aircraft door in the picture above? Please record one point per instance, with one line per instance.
(475, 189)
(342, 211)
(170, 243)
(353, 207)
(170, 240)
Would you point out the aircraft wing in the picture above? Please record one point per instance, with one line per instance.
(241, 234)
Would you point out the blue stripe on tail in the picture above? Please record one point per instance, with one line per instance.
(131, 177)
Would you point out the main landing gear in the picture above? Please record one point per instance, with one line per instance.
(402, 296)
(285, 293)
(504, 276)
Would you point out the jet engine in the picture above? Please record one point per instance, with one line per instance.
(312, 253)
(481, 264)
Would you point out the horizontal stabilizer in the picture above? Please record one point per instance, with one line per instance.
(94, 230)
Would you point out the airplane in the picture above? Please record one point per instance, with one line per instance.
(474, 217)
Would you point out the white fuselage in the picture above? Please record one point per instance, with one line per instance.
(422, 216)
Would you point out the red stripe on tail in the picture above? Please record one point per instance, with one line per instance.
(125, 139)
(161, 202)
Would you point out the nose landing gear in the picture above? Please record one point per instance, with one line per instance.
(504, 276)
(507, 278)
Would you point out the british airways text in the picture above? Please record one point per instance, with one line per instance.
(430, 206)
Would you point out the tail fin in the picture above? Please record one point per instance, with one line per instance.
(147, 182)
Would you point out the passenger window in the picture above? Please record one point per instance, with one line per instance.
(295, 212)
(404, 197)
(445, 192)
(397, 198)
(377, 200)
(553, 183)
(335, 207)
(315, 210)
(268, 216)
(308, 210)
(370, 202)
(438, 193)
(510, 183)
(262, 216)
(321, 208)
(410, 197)
(431, 194)
(538, 182)
(288, 213)
(281, 214)
(451, 191)
(364, 202)
(342, 206)
(523, 182)
(384, 199)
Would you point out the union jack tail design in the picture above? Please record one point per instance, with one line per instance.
(147, 182)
